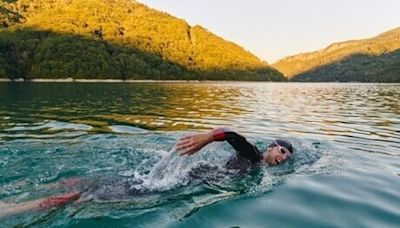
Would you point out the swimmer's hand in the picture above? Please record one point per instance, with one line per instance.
(189, 145)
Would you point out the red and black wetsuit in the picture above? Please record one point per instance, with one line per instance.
(247, 155)
(115, 189)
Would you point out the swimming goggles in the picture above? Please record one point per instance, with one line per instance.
(281, 149)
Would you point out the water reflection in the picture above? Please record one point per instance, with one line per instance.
(345, 113)
(150, 106)
(49, 131)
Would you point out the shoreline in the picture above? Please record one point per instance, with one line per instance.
(90, 80)
(70, 80)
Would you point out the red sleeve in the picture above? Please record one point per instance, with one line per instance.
(60, 200)
(218, 134)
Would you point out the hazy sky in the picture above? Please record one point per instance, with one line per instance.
(272, 29)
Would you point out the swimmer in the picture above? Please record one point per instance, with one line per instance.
(246, 157)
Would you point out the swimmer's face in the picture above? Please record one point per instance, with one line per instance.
(276, 155)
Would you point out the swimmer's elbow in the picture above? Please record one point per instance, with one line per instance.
(219, 134)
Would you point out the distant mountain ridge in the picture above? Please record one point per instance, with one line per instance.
(115, 39)
(375, 59)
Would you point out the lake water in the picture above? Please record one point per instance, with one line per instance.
(345, 171)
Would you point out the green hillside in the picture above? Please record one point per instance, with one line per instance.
(369, 60)
(115, 39)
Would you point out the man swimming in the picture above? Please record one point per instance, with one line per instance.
(247, 156)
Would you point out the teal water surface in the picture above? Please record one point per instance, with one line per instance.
(345, 171)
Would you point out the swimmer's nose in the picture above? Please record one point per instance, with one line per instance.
(278, 159)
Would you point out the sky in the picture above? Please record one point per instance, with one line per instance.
(272, 29)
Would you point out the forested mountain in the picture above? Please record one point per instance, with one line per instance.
(115, 39)
(369, 60)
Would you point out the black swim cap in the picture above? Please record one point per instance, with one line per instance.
(283, 142)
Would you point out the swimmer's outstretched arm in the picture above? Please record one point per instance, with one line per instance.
(191, 144)
(10, 209)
